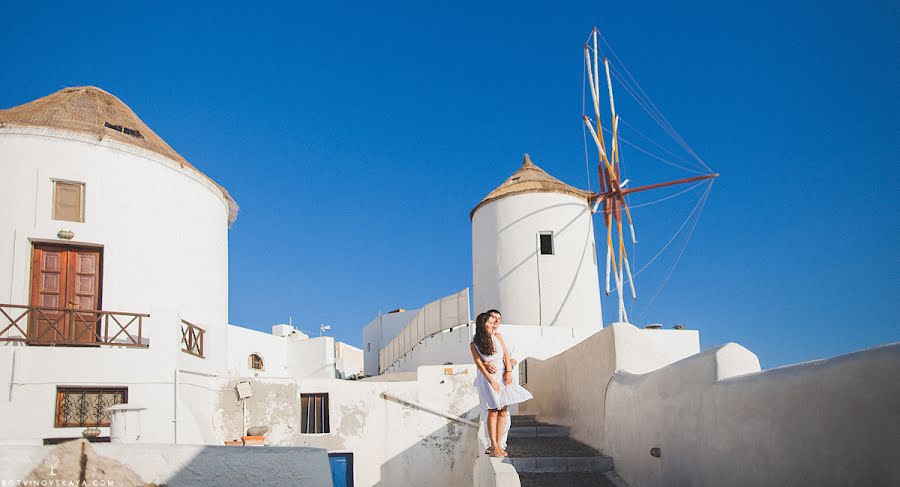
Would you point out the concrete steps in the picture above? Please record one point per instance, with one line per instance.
(567, 479)
(545, 455)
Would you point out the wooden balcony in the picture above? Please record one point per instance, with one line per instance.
(192, 339)
(40, 325)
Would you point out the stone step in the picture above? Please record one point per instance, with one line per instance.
(555, 454)
(567, 479)
(538, 430)
(523, 418)
(598, 464)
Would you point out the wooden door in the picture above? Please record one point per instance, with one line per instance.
(65, 277)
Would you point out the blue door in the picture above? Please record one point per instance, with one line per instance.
(341, 469)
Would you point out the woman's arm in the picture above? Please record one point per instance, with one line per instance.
(507, 366)
(480, 364)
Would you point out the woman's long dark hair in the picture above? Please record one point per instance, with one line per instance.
(482, 338)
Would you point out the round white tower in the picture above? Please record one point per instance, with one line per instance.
(533, 252)
(101, 221)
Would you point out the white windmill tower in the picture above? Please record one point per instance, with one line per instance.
(533, 252)
(534, 255)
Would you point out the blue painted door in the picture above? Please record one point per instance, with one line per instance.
(341, 469)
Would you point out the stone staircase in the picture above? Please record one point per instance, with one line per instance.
(545, 455)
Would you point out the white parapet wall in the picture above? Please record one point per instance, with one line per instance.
(570, 388)
(718, 420)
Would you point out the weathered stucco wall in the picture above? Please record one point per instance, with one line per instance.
(720, 421)
(392, 443)
(570, 388)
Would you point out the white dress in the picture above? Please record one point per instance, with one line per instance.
(509, 394)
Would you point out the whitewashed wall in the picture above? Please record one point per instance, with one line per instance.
(570, 388)
(243, 341)
(719, 420)
(164, 233)
(509, 274)
(380, 332)
(163, 229)
(392, 444)
(348, 360)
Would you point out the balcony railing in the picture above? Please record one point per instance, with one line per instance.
(192, 339)
(41, 325)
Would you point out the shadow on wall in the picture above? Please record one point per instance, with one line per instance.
(444, 457)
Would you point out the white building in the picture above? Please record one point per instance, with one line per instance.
(98, 213)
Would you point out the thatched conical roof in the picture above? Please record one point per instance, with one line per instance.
(94, 112)
(529, 179)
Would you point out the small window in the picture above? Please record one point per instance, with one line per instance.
(68, 201)
(314, 413)
(546, 243)
(369, 347)
(256, 362)
(125, 130)
(78, 407)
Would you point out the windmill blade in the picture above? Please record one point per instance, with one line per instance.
(630, 278)
(596, 72)
(597, 140)
(595, 96)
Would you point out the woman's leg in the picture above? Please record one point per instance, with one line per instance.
(501, 427)
(492, 430)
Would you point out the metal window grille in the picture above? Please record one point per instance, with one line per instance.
(314, 413)
(86, 406)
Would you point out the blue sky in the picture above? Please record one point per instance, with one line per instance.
(357, 137)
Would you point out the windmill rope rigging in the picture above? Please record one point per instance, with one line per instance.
(613, 177)
(655, 156)
(662, 285)
(655, 117)
(681, 228)
(677, 136)
(657, 144)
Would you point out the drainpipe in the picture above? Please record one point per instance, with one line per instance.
(12, 375)
(175, 406)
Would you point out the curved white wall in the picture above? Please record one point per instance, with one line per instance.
(164, 233)
(509, 274)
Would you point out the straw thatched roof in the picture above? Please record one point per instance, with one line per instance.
(94, 112)
(529, 179)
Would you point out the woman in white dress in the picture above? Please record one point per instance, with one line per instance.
(496, 390)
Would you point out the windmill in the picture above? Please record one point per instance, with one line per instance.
(610, 200)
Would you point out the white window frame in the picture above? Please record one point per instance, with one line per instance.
(552, 244)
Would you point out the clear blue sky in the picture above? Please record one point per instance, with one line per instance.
(356, 138)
